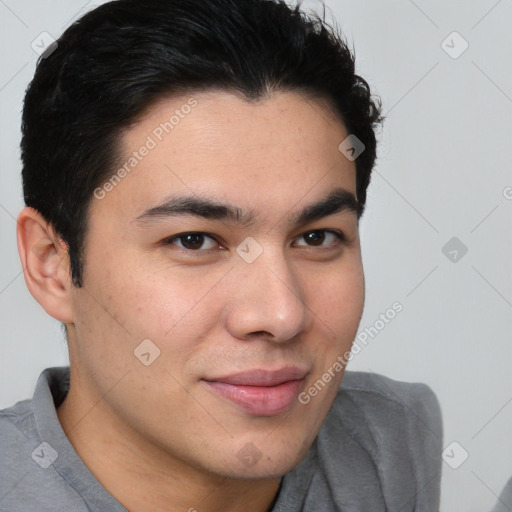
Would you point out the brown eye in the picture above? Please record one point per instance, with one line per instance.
(317, 237)
(192, 241)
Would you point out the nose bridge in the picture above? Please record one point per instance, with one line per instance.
(270, 297)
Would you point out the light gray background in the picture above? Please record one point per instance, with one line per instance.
(443, 171)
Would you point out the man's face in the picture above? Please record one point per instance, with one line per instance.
(242, 325)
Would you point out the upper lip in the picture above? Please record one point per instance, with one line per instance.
(261, 377)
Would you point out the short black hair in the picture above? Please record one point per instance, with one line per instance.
(112, 64)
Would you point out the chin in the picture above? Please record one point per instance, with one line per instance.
(253, 463)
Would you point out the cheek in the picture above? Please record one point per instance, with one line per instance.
(340, 299)
(174, 307)
(338, 305)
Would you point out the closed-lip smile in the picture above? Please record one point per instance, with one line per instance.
(260, 392)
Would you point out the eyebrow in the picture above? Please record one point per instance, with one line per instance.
(339, 200)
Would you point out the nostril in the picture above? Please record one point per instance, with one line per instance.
(259, 334)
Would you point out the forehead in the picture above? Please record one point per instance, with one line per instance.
(274, 151)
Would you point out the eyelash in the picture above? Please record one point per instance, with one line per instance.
(340, 239)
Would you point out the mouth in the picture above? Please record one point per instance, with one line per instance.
(260, 392)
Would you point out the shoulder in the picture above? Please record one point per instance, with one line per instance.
(18, 433)
(385, 437)
(504, 503)
(378, 396)
(28, 481)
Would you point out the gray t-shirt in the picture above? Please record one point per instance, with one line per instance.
(379, 449)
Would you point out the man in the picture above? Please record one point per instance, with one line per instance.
(194, 173)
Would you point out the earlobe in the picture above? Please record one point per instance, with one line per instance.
(45, 261)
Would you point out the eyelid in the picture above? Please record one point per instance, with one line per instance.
(339, 235)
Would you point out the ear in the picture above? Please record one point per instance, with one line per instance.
(45, 261)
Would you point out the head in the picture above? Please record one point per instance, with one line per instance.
(190, 217)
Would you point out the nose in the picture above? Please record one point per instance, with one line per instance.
(268, 301)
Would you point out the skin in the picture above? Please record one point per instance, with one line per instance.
(156, 436)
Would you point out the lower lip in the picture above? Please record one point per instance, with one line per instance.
(260, 400)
